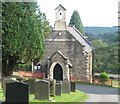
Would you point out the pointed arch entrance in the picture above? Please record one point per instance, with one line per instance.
(58, 72)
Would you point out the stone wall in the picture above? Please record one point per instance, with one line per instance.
(78, 61)
(90, 67)
(60, 25)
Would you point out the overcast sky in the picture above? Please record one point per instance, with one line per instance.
(92, 12)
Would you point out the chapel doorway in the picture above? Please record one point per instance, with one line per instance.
(58, 72)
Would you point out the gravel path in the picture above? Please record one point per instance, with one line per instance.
(99, 93)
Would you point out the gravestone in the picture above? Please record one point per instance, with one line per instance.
(52, 87)
(58, 90)
(31, 83)
(17, 92)
(5, 81)
(72, 86)
(20, 79)
(42, 90)
(66, 87)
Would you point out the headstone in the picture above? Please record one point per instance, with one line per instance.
(17, 92)
(42, 90)
(5, 81)
(52, 87)
(20, 79)
(72, 86)
(66, 87)
(31, 83)
(58, 90)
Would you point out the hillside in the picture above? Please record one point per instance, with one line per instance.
(99, 30)
(105, 45)
(107, 34)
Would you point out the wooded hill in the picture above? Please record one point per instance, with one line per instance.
(99, 30)
(105, 45)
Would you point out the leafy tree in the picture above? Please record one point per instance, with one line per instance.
(23, 34)
(106, 55)
(76, 21)
(98, 43)
(106, 59)
(105, 42)
(45, 25)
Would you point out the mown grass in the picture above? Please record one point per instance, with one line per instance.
(77, 96)
(72, 97)
(1, 94)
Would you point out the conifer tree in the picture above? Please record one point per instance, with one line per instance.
(76, 21)
(22, 34)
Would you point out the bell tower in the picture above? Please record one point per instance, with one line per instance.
(60, 18)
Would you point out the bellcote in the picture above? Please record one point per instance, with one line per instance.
(60, 18)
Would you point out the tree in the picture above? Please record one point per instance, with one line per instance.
(106, 59)
(98, 43)
(45, 25)
(76, 21)
(23, 36)
(105, 41)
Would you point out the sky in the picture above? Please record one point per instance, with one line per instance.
(92, 12)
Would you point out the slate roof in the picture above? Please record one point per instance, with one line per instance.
(80, 38)
(60, 6)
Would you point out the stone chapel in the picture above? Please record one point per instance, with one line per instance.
(68, 54)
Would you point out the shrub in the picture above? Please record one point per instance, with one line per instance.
(103, 77)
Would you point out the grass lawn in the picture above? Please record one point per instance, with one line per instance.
(1, 94)
(72, 97)
(77, 96)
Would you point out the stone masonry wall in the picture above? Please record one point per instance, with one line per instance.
(70, 48)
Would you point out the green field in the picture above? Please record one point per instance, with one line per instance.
(77, 96)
